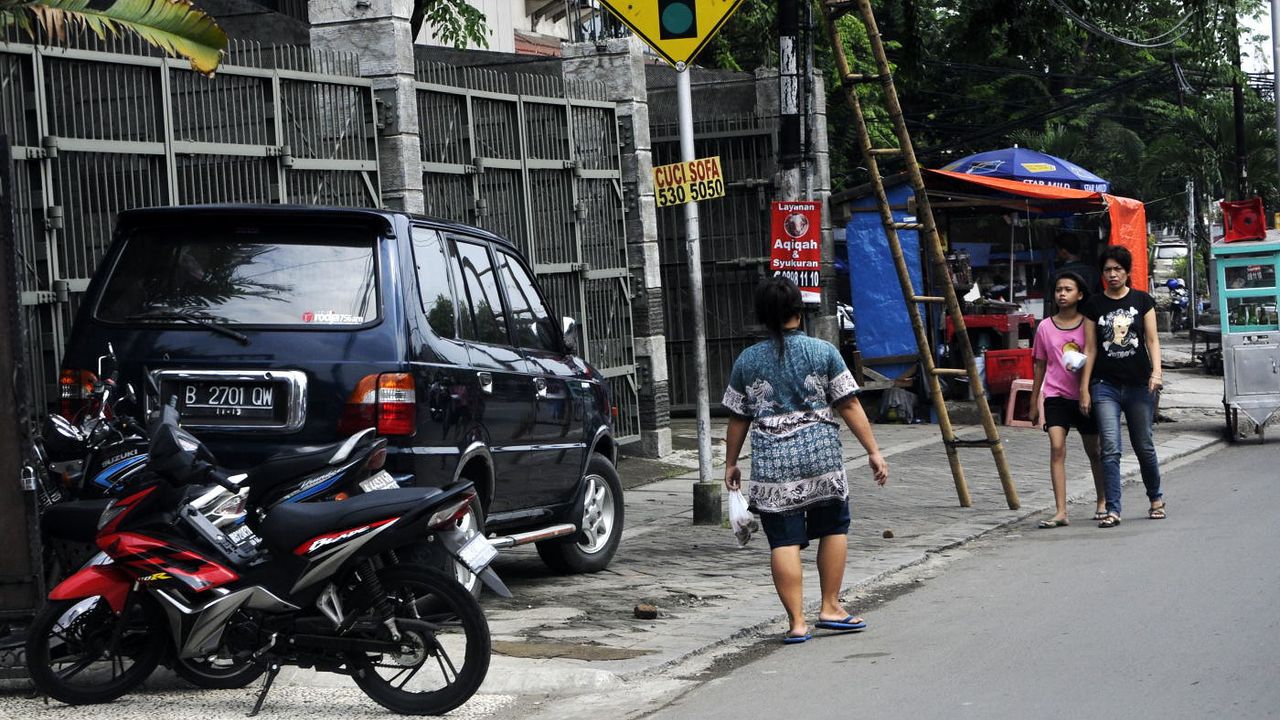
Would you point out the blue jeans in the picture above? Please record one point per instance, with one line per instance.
(1138, 405)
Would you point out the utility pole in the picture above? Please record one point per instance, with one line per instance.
(1275, 71)
(789, 125)
(1237, 101)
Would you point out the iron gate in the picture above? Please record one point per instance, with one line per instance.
(734, 231)
(98, 127)
(537, 160)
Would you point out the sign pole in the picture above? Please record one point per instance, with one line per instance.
(706, 492)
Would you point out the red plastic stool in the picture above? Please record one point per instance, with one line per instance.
(1017, 410)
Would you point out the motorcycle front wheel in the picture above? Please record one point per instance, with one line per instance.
(445, 647)
(81, 652)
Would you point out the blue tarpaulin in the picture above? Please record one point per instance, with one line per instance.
(880, 312)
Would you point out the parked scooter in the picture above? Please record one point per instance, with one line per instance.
(325, 590)
(1179, 303)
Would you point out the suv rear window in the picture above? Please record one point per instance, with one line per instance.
(1166, 252)
(311, 277)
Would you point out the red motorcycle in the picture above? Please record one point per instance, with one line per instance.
(326, 590)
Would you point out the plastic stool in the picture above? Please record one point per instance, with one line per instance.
(1017, 410)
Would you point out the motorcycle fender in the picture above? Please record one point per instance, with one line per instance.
(453, 541)
(109, 581)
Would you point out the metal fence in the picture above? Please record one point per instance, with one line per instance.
(537, 160)
(734, 232)
(101, 126)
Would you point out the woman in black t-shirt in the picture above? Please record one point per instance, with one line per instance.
(1122, 375)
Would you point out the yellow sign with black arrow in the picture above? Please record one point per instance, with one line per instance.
(676, 29)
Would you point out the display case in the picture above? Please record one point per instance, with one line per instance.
(1249, 295)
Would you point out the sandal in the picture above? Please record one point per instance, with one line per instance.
(1100, 515)
(1157, 512)
(1051, 523)
(1109, 521)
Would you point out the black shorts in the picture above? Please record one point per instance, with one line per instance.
(1065, 412)
(800, 526)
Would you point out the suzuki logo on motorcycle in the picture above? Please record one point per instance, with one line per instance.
(121, 456)
(326, 540)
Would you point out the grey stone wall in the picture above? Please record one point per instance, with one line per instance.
(619, 63)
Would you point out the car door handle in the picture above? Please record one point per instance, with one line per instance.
(486, 382)
(540, 388)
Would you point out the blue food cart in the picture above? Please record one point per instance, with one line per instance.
(1248, 297)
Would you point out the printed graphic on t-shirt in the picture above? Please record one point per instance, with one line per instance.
(1119, 336)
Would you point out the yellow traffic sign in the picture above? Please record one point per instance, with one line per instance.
(691, 181)
(676, 29)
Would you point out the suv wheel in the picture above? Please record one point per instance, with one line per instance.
(602, 518)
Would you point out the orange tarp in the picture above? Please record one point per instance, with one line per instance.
(1128, 216)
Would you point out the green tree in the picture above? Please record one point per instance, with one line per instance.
(454, 22)
(175, 26)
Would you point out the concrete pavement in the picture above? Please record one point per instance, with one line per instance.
(577, 635)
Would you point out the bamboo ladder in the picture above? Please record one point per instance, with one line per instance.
(832, 10)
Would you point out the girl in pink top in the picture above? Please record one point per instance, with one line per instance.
(1059, 356)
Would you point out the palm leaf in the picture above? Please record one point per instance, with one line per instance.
(175, 26)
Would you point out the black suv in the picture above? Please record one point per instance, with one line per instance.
(280, 327)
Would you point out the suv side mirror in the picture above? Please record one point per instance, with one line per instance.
(572, 335)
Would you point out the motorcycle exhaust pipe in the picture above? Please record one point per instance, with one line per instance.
(510, 541)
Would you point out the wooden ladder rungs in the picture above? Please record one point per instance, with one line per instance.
(908, 226)
(886, 151)
(928, 299)
(862, 78)
(950, 372)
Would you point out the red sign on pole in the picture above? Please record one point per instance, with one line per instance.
(796, 245)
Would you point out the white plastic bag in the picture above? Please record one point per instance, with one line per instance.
(740, 518)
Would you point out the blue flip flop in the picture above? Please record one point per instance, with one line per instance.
(789, 639)
(845, 624)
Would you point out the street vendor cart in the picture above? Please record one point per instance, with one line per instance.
(1248, 296)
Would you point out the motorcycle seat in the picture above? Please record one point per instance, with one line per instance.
(289, 526)
(74, 520)
(289, 465)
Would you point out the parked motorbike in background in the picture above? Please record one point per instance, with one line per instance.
(326, 589)
(1179, 305)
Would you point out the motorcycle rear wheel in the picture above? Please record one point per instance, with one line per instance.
(75, 646)
(440, 622)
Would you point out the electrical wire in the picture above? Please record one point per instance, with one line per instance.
(1101, 32)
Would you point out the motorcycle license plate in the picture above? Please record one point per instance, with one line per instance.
(477, 553)
(240, 534)
(381, 481)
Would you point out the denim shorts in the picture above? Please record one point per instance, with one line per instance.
(801, 526)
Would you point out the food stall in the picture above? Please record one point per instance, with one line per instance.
(1248, 297)
(1012, 211)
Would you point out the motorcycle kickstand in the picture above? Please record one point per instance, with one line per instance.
(272, 671)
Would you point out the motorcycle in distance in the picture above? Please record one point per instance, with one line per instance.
(1179, 303)
(326, 591)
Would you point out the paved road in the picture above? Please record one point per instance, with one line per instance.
(1168, 619)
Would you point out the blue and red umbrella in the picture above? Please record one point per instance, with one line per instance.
(1029, 166)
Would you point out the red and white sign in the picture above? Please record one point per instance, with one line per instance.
(795, 245)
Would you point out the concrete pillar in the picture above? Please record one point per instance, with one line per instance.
(378, 32)
(619, 64)
(813, 183)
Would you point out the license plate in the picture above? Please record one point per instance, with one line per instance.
(230, 401)
(381, 481)
(477, 553)
(240, 534)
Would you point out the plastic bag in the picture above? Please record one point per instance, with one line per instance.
(741, 519)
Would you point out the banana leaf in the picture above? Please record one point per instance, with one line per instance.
(175, 26)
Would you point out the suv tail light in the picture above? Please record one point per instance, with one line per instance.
(75, 387)
(387, 402)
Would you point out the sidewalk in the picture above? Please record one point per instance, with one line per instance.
(562, 635)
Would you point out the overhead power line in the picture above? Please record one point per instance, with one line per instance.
(1145, 43)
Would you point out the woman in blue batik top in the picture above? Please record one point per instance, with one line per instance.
(787, 391)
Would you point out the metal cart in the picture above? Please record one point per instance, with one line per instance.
(1248, 297)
